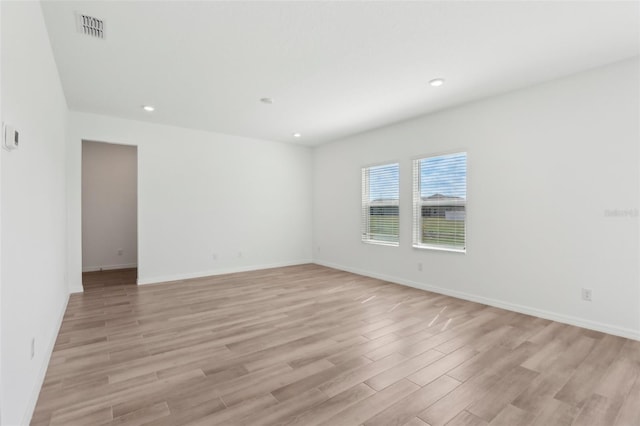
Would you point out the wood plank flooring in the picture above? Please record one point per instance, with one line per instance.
(308, 345)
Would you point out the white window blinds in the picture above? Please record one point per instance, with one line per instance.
(440, 202)
(380, 194)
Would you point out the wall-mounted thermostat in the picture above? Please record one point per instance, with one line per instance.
(11, 137)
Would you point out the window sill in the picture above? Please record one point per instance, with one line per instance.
(437, 248)
(381, 243)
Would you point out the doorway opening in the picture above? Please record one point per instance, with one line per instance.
(109, 214)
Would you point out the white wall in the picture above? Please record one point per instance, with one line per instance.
(1, 117)
(545, 165)
(33, 261)
(109, 206)
(199, 193)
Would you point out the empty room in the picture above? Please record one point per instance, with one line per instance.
(247, 213)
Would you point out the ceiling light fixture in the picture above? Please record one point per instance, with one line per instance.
(436, 82)
(148, 108)
(266, 100)
(297, 135)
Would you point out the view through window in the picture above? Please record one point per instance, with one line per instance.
(380, 195)
(440, 202)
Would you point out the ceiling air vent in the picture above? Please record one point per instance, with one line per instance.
(88, 25)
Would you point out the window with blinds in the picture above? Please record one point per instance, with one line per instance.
(380, 195)
(440, 202)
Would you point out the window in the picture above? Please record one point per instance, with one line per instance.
(380, 194)
(440, 202)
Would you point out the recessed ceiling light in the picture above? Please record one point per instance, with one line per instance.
(297, 135)
(266, 100)
(437, 82)
(148, 108)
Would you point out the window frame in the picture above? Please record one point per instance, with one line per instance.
(365, 229)
(417, 218)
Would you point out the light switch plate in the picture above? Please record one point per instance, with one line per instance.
(11, 137)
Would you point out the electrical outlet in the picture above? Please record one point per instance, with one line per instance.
(214, 256)
(586, 294)
(120, 251)
(239, 254)
(419, 266)
(33, 347)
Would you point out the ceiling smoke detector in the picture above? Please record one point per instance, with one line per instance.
(89, 25)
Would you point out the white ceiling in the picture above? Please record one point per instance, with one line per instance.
(332, 68)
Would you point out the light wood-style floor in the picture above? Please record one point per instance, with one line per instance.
(309, 345)
(119, 277)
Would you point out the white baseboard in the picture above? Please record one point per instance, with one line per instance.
(35, 393)
(222, 271)
(109, 267)
(553, 316)
(75, 289)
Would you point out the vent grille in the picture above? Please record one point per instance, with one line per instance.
(88, 25)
